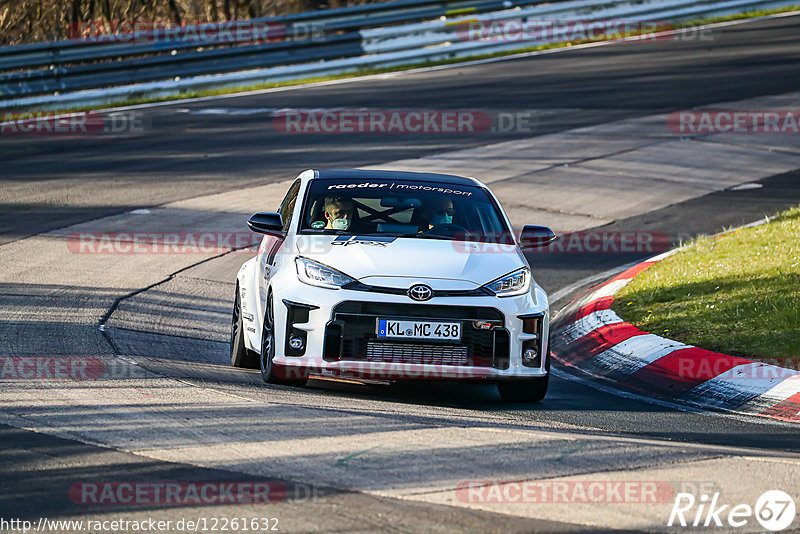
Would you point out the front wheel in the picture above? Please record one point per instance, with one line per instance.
(270, 373)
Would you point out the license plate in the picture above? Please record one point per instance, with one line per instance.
(396, 329)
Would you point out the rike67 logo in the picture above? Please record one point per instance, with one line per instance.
(774, 510)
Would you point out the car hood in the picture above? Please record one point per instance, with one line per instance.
(379, 260)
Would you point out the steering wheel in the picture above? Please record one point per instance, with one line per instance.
(449, 230)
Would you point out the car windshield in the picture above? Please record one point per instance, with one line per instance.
(403, 208)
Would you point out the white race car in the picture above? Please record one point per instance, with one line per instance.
(392, 275)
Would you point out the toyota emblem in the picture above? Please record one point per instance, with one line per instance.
(420, 292)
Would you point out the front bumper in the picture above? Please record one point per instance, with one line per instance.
(337, 328)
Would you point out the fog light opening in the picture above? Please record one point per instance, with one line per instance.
(530, 356)
(296, 343)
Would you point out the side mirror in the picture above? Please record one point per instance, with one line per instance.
(266, 223)
(535, 236)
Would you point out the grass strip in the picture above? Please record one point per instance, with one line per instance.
(737, 293)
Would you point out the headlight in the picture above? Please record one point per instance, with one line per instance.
(317, 274)
(515, 283)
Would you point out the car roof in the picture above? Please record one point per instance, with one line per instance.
(338, 174)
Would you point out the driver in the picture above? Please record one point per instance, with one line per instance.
(338, 213)
(436, 212)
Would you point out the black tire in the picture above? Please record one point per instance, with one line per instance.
(530, 390)
(240, 356)
(269, 372)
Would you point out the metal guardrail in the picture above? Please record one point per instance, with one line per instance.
(321, 22)
(335, 14)
(662, 11)
(374, 35)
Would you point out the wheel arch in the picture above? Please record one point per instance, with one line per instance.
(248, 295)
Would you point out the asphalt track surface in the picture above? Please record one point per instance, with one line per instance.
(193, 149)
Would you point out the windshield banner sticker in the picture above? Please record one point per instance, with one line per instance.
(405, 187)
(375, 241)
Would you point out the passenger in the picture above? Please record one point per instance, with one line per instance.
(338, 213)
(436, 212)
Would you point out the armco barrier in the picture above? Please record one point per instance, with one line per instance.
(403, 32)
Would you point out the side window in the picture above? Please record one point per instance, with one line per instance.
(287, 206)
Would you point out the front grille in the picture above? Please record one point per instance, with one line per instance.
(422, 353)
(351, 336)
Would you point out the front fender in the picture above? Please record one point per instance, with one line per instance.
(248, 295)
